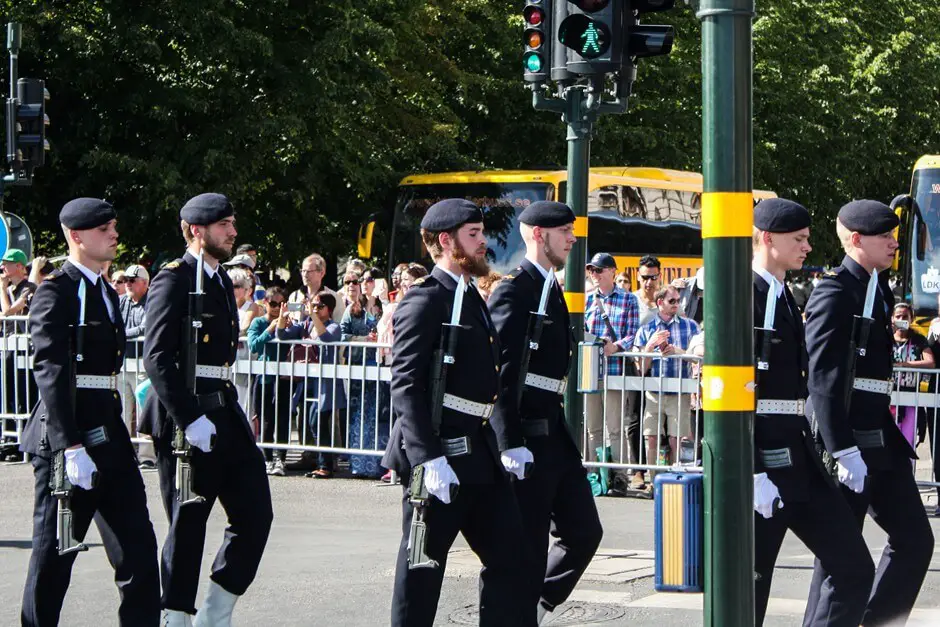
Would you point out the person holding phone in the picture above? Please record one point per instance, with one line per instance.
(272, 393)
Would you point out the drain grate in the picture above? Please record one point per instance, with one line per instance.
(566, 615)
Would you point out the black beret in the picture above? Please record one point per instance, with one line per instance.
(868, 217)
(547, 214)
(448, 214)
(779, 215)
(86, 213)
(206, 209)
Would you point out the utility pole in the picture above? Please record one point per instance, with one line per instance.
(728, 373)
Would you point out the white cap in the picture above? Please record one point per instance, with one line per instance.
(135, 271)
(241, 260)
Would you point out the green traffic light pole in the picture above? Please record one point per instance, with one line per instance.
(579, 106)
(728, 373)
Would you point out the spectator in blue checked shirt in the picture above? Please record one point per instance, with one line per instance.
(612, 315)
(669, 334)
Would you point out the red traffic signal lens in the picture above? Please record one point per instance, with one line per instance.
(592, 6)
(533, 15)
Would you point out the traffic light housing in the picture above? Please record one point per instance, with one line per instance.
(26, 127)
(537, 59)
(647, 40)
(593, 34)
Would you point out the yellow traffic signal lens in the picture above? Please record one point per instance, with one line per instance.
(535, 40)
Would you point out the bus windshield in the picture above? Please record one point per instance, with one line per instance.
(501, 203)
(925, 243)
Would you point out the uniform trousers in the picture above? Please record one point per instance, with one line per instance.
(234, 474)
(488, 517)
(556, 498)
(892, 499)
(119, 506)
(826, 525)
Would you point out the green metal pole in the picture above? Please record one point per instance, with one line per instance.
(728, 374)
(579, 118)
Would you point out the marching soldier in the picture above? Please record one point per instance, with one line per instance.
(530, 417)
(448, 441)
(850, 344)
(792, 489)
(78, 334)
(232, 470)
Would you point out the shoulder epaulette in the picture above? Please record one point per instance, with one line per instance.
(55, 274)
(172, 265)
(419, 281)
(514, 273)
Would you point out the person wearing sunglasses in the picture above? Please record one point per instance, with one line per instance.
(792, 490)
(668, 334)
(649, 277)
(612, 315)
(272, 393)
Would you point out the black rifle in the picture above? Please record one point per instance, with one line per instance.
(418, 494)
(59, 482)
(861, 327)
(192, 325)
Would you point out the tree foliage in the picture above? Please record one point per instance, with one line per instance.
(307, 112)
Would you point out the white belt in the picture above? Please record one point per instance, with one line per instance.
(213, 372)
(471, 408)
(878, 386)
(548, 384)
(96, 382)
(787, 408)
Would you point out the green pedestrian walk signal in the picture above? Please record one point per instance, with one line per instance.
(593, 34)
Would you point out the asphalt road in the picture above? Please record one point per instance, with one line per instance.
(332, 550)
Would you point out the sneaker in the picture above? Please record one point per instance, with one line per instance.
(269, 467)
(278, 469)
(147, 465)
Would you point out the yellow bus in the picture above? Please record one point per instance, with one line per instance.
(918, 257)
(632, 211)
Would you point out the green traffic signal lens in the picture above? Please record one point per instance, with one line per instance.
(533, 62)
(589, 38)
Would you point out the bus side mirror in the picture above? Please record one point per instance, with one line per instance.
(365, 239)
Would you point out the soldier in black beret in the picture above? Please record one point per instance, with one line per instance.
(530, 416)
(232, 470)
(78, 334)
(450, 437)
(851, 395)
(792, 488)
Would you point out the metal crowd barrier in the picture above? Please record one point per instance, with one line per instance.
(334, 398)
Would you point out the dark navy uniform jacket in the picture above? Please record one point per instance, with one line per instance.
(785, 380)
(56, 422)
(168, 305)
(510, 306)
(839, 296)
(474, 376)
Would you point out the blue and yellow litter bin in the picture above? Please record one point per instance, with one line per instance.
(679, 500)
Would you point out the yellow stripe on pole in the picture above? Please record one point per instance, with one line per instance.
(727, 214)
(581, 227)
(575, 301)
(728, 388)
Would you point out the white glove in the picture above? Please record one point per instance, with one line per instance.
(766, 495)
(852, 471)
(199, 434)
(438, 477)
(80, 468)
(515, 459)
